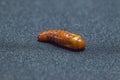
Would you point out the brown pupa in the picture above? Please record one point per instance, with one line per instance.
(63, 38)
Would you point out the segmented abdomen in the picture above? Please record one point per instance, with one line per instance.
(63, 38)
(57, 36)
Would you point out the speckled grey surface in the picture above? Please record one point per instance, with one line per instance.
(22, 57)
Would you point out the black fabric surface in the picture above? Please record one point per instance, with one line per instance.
(22, 57)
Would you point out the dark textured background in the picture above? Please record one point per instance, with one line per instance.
(22, 57)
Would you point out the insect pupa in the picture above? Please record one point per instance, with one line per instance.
(63, 38)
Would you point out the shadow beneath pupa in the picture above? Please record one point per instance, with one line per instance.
(56, 45)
